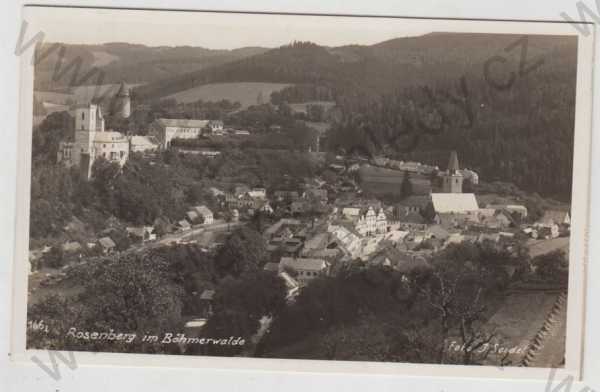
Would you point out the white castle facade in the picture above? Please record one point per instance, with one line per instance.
(92, 141)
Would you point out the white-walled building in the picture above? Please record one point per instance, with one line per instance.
(206, 214)
(371, 223)
(92, 141)
(165, 129)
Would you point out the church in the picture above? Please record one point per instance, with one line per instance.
(451, 199)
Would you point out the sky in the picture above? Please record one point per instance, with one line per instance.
(212, 30)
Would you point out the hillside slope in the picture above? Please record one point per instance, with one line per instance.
(131, 63)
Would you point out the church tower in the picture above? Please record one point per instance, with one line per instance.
(123, 102)
(452, 180)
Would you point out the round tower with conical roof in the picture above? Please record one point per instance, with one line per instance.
(452, 180)
(123, 102)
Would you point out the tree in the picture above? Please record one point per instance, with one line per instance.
(243, 251)
(132, 293)
(468, 186)
(46, 138)
(406, 187)
(48, 321)
(54, 258)
(240, 304)
(462, 278)
(104, 174)
(551, 266)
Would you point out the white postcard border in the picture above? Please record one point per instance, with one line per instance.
(577, 255)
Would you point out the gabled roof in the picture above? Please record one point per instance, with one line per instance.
(203, 210)
(109, 137)
(303, 264)
(555, 216)
(401, 261)
(207, 295)
(71, 246)
(192, 215)
(438, 231)
(107, 242)
(143, 140)
(454, 202)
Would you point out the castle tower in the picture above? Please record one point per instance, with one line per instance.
(123, 102)
(88, 121)
(452, 180)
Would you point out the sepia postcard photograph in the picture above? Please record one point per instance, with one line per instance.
(267, 187)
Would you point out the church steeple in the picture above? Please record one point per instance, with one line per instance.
(453, 163)
(452, 179)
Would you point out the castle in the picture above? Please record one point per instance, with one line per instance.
(92, 141)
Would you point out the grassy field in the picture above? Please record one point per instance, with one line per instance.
(103, 58)
(246, 93)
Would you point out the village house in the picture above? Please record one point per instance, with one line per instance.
(520, 210)
(291, 224)
(366, 221)
(318, 241)
(557, 217)
(215, 127)
(410, 204)
(347, 239)
(192, 217)
(245, 198)
(305, 269)
(142, 144)
(184, 225)
(316, 194)
(286, 196)
(548, 231)
(107, 245)
(205, 214)
(142, 233)
(404, 262)
(72, 247)
(206, 302)
(329, 255)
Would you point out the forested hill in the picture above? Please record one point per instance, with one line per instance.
(419, 97)
(131, 63)
(349, 70)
